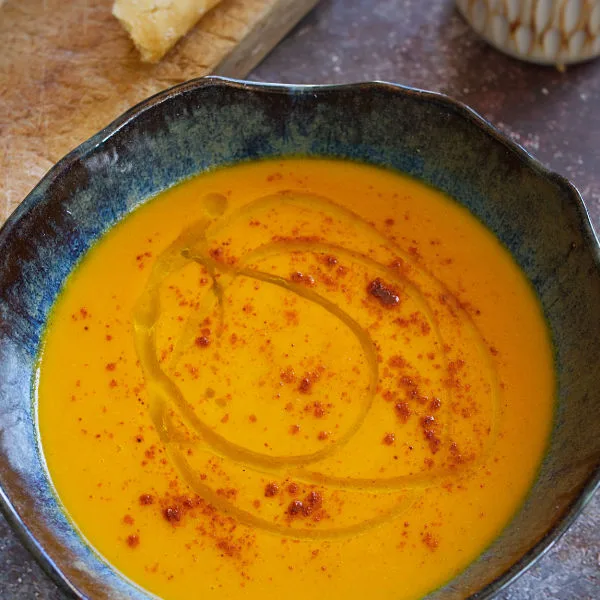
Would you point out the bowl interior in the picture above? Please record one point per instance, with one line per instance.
(211, 122)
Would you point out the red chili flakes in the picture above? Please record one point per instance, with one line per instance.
(403, 411)
(252, 418)
(202, 341)
(312, 501)
(288, 375)
(111, 366)
(293, 488)
(326, 279)
(146, 499)
(318, 410)
(133, 541)
(398, 265)
(291, 317)
(414, 251)
(416, 320)
(229, 493)
(294, 429)
(430, 540)
(389, 439)
(216, 253)
(454, 368)
(427, 421)
(228, 548)
(406, 381)
(108, 338)
(112, 383)
(435, 404)
(225, 418)
(83, 313)
(295, 508)
(412, 389)
(128, 520)
(331, 261)
(307, 507)
(299, 277)
(323, 435)
(429, 424)
(456, 457)
(305, 385)
(271, 489)
(384, 293)
(397, 362)
(172, 514)
(389, 222)
(388, 395)
(494, 351)
(210, 524)
(468, 307)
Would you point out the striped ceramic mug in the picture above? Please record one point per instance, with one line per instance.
(554, 32)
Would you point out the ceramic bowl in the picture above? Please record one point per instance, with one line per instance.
(537, 214)
(550, 32)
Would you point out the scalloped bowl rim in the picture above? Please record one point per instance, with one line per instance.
(87, 147)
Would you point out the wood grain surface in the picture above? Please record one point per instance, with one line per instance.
(68, 68)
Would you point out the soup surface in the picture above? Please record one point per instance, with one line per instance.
(297, 378)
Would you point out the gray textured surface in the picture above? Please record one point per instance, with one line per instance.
(554, 115)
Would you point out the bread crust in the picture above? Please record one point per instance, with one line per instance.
(155, 26)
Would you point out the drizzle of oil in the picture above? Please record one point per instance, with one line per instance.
(192, 246)
(215, 204)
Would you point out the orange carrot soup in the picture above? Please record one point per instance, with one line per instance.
(295, 378)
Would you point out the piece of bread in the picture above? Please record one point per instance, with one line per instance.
(156, 25)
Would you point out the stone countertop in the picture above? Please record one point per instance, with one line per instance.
(554, 115)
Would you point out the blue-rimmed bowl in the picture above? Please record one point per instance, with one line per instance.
(209, 122)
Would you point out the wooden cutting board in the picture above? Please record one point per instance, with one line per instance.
(68, 68)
